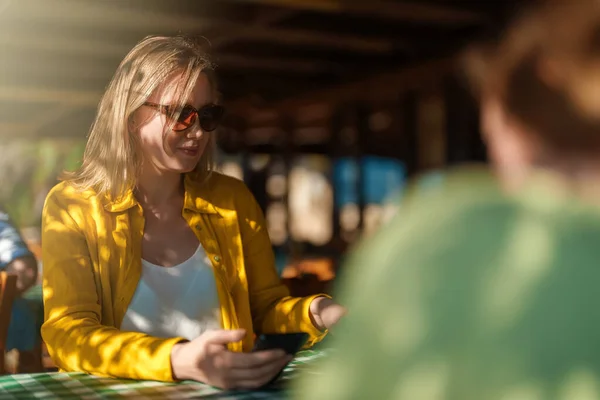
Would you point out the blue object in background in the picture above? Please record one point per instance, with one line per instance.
(281, 260)
(383, 179)
(345, 179)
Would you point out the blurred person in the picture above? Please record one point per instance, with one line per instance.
(23, 331)
(156, 267)
(487, 287)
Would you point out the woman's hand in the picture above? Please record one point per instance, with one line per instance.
(206, 359)
(326, 312)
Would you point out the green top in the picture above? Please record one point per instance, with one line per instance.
(471, 294)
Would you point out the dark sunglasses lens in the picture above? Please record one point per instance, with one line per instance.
(210, 117)
(187, 117)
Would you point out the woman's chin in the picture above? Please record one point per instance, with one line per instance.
(181, 168)
(185, 170)
(185, 165)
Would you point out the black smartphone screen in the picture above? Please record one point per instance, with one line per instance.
(291, 343)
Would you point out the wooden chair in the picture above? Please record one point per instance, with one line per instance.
(8, 289)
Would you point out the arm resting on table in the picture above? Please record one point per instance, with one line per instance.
(273, 309)
(72, 331)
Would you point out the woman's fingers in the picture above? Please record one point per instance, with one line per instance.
(254, 359)
(258, 374)
(221, 337)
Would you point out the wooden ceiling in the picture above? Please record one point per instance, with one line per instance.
(58, 55)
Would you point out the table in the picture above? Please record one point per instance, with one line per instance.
(88, 387)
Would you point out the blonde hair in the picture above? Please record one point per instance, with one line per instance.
(545, 71)
(112, 159)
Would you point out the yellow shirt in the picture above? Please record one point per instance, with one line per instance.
(92, 266)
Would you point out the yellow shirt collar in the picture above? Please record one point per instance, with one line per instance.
(198, 197)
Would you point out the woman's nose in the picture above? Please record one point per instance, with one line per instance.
(195, 132)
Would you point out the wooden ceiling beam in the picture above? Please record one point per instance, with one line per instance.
(115, 16)
(51, 115)
(295, 37)
(20, 94)
(14, 129)
(379, 87)
(111, 52)
(417, 12)
(35, 126)
(64, 44)
(302, 66)
(273, 16)
(92, 15)
(265, 19)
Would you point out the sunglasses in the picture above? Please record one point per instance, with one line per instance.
(209, 116)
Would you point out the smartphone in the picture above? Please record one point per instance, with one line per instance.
(291, 343)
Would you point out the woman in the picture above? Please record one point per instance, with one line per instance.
(146, 250)
(493, 280)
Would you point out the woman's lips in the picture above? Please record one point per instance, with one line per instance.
(189, 151)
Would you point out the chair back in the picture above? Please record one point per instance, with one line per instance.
(8, 291)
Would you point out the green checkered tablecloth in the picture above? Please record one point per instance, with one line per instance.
(88, 387)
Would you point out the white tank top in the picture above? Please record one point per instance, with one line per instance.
(178, 301)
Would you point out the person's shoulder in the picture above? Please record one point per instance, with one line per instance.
(465, 201)
(453, 193)
(465, 218)
(223, 188)
(224, 192)
(460, 182)
(67, 193)
(221, 182)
